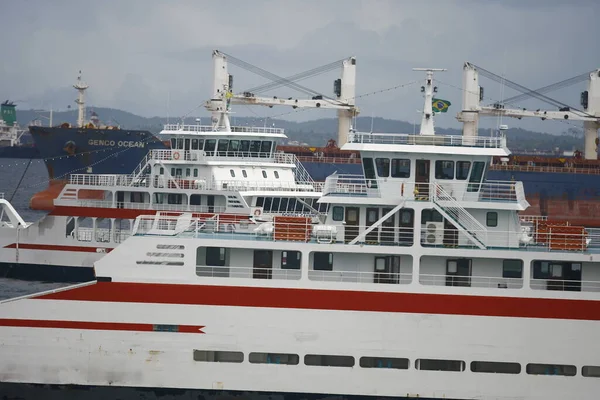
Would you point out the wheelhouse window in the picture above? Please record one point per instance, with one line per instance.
(369, 170)
(290, 259)
(265, 148)
(462, 170)
(194, 144)
(400, 168)
(383, 167)
(444, 169)
(210, 146)
(338, 213)
(254, 148)
(491, 219)
(476, 176)
(222, 147)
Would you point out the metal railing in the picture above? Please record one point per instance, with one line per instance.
(533, 168)
(109, 180)
(351, 185)
(360, 276)
(565, 285)
(426, 140)
(210, 128)
(215, 155)
(247, 272)
(471, 281)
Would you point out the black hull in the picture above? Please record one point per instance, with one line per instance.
(15, 391)
(46, 273)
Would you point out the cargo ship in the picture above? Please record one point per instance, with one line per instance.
(13, 138)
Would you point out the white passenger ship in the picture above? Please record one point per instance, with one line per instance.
(422, 282)
(226, 174)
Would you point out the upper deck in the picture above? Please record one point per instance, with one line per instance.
(209, 130)
(427, 144)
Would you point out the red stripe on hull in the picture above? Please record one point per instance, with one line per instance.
(52, 247)
(334, 300)
(96, 326)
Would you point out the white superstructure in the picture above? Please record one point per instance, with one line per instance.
(421, 282)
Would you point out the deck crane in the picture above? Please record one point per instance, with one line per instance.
(223, 96)
(590, 102)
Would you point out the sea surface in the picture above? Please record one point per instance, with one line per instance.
(19, 180)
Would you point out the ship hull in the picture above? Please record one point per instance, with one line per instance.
(99, 151)
(26, 152)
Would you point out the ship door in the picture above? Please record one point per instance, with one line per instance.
(263, 264)
(387, 269)
(210, 202)
(120, 199)
(186, 147)
(351, 227)
(422, 179)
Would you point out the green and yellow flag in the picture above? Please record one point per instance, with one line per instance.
(440, 106)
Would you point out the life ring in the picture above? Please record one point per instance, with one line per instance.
(257, 213)
(176, 155)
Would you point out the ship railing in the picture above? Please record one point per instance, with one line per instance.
(533, 219)
(201, 156)
(426, 140)
(109, 180)
(534, 168)
(177, 128)
(470, 281)
(351, 185)
(431, 234)
(144, 206)
(400, 278)
(565, 285)
(329, 159)
(247, 272)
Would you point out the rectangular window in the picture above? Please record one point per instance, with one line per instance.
(369, 169)
(195, 200)
(424, 364)
(322, 261)
(218, 356)
(429, 215)
(195, 172)
(188, 172)
(274, 358)
(210, 146)
(512, 269)
(462, 169)
(265, 147)
(384, 362)
(383, 167)
(290, 259)
(551, 369)
(215, 256)
(458, 272)
(329, 361)
(194, 144)
(338, 213)
(444, 169)
(591, 371)
(400, 168)
(496, 367)
(476, 176)
(491, 219)
(222, 147)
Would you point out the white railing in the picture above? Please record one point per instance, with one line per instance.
(565, 285)
(247, 272)
(426, 140)
(533, 218)
(472, 281)
(210, 128)
(202, 155)
(109, 180)
(360, 276)
(452, 210)
(351, 185)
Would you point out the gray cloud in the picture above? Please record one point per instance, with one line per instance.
(137, 54)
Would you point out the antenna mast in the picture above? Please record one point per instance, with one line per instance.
(427, 127)
(80, 86)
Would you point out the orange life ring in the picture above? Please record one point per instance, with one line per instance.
(176, 155)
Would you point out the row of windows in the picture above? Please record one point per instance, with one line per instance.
(225, 147)
(290, 204)
(396, 167)
(422, 364)
(179, 172)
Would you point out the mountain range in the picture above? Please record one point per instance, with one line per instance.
(312, 133)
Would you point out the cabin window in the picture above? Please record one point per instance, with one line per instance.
(222, 147)
(180, 144)
(244, 174)
(338, 213)
(200, 144)
(476, 176)
(425, 364)
(264, 174)
(194, 144)
(290, 259)
(590, 371)
(462, 170)
(551, 369)
(216, 256)
(512, 269)
(136, 197)
(172, 171)
(276, 174)
(260, 201)
(268, 204)
(173, 143)
(329, 361)
(218, 356)
(430, 215)
(322, 261)
(188, 172)
(210, 146)
(195, 172)
(175, 198)
(274, 358)
(161, 171)
(195, 200)
(384, 362)
(372, 215)
(444, 169)
(458, 272)
(491, 219)
(232, 173)
(383, 167)
(400, 168)
(496, 367)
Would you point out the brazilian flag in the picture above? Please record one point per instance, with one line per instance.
(440, 106)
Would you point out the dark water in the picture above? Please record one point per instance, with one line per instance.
(33, 178)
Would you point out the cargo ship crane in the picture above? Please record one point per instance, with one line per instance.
(590, 101)
(223, 96)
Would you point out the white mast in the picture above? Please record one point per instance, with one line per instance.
(427, 127)
(81, 87)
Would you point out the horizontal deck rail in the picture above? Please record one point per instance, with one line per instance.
(426, 140)
(167, 128)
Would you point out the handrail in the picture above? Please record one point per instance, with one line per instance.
(426, 140)
(210, 128)
(349, 185)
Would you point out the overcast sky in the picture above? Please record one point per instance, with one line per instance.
(153, 57)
